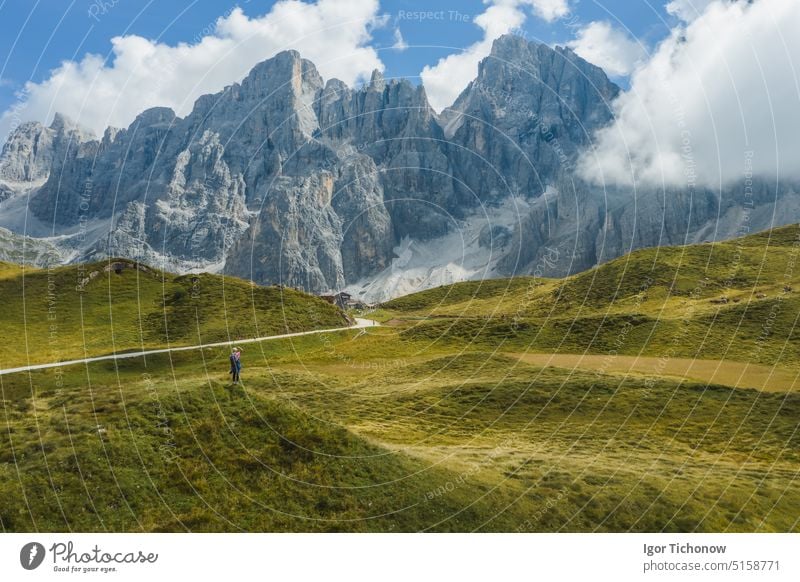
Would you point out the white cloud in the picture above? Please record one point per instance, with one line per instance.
(687, 10)
(142, 73)
(400, 43)
(609, 48)
(550, 10)
(718, 98)
(448, 77)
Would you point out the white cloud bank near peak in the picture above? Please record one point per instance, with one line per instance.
(717, 99)
(448, 77)
(608, 47)
(142, 73)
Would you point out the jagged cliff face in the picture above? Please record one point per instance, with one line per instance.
(285, 178)
(281, 178)
(524, 117)
(34, 151)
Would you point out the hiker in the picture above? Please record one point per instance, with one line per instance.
(236, 364)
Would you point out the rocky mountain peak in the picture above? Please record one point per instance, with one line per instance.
(155, 116)
(376, 81)
(510, 47)
(32, 149)
(69, 129)
(109, 135)
(20, 159)
(62, 123)
(513, 57)
(285, 72)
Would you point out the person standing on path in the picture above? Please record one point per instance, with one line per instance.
(236, 364)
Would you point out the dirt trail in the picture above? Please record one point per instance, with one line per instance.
(360, 323)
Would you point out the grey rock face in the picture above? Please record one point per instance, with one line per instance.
(392, 123)
(578, 226)
(28, 154)
(6, 191)
(26, 250)
(284, 178)
(367, 236)
(203, 212)
(33, 151)
(295, 239)
(525, 117)
(98, 178)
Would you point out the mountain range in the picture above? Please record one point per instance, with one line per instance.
(286, 178)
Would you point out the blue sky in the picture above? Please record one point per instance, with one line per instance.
(37, 35)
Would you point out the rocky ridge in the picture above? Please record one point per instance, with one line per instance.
(285, 178)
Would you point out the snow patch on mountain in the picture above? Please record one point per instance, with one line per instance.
(470, 250)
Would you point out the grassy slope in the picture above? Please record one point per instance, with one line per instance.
(143, 451)
(46, 318)
(657, 302)
(333, 434)
(427, 424)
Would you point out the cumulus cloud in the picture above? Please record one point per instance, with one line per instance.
(400, 43)
(550, 10)
(687, 10)
(451, 74)
(142, 73)
(718, 98)
(609, 48)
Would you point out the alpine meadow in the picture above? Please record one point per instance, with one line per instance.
(527, 267)
(658, 392)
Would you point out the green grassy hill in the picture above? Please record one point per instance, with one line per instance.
(471, 409)
(736, 300)
(62, 313)
(156, 455)
(325, 436)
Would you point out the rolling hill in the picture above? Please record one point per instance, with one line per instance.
(117, 305)
(737, 300)
(619, 399)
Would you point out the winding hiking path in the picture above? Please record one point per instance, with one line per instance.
(359, 324)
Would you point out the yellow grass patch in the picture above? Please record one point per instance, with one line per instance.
(724, 372)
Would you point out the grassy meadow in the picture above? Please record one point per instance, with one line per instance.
(654, 393)
(71, 312)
